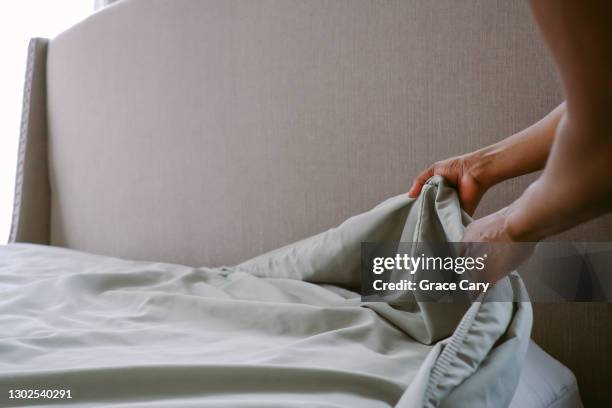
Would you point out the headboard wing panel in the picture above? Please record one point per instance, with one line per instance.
(31, 204)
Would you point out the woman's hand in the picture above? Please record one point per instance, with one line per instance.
(463, 173)
(474, 173)
(490, 237)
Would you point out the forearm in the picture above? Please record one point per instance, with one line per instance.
(519, 154)
(574, 187)
(576, 184)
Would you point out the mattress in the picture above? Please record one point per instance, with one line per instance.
(545, 383)
(285, 329)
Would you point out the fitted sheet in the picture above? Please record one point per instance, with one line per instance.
(286, 328)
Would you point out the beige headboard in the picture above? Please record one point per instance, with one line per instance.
(205, 132)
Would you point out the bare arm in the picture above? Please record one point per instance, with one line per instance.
(576, 184)
(474, 173)
(573, 143)
(519, 154)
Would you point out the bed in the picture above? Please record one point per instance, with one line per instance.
(287, 328)
(182, 134)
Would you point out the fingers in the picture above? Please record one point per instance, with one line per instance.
(470, 191)
(419, 182)
(487, 237)
(500, 258)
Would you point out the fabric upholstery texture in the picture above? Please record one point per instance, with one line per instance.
(251, 124)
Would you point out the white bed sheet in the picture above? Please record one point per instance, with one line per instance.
(545, 383)
(67, 338)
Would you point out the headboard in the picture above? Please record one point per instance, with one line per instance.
(205, 132)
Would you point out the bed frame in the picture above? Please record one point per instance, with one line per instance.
(202, 132)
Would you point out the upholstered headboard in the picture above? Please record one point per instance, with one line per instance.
(204, 132)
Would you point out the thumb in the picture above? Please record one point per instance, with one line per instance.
(421, 179)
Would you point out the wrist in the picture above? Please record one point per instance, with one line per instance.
(519, 225)
(481, 166)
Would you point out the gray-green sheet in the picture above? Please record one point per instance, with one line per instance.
(280, 330)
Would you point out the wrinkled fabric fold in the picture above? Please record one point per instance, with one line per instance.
(287, 328)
